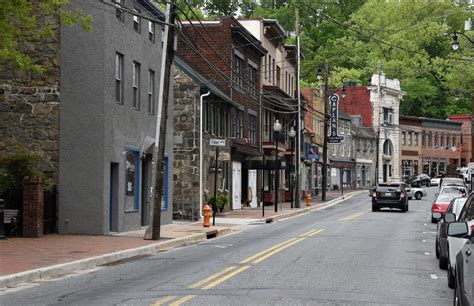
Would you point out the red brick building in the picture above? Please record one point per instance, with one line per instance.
(466, 153)
(357, 102)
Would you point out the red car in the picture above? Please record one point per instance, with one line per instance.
(440, 204)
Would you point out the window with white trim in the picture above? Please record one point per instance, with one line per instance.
(238, 77)
(119, 14)
(136, 85)
(137, 23)
(252, 81)
(151, 31)
(151, 92)
(253, 129)
(119, 78)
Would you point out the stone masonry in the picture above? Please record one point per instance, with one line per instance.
(29, 103)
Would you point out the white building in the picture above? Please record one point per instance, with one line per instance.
(385, 96)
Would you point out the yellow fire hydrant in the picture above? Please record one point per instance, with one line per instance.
(308, 199)
(207, 212)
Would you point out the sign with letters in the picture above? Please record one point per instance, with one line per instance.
(217, 142)
(333, 116)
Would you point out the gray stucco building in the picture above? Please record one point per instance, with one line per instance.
(109, 92)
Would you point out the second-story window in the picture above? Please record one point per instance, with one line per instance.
(252, 129)
(270, 78)
(137, 23)
(252, 81)
(238, 72)
(278, 76)
(151, 92)
(403, 138)
(118, 10)
(387, 115)
(415, 139)
(151, 31)
(265, 67)
(119, 78)
(274, 71)
(240, 124)
(136, 85)
(409, 138)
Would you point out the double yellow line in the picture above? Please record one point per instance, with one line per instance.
(353, 216)
(220, 277)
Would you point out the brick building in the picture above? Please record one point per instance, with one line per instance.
(222, 57)
(466, 153)
(410, 145)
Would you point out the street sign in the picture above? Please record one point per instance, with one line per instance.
(217, 142)
(334, 114)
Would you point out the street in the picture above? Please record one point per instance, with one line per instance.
(345, 254)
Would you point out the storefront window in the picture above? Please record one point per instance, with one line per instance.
(132, 174)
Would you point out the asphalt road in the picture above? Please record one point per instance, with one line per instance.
(345, 254)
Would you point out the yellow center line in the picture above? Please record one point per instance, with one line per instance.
(308, 233)
(358, 215)
(278, 250)
(223, 279)
(266, 251)
(182, 300)
(163, 300)
(208, 279)
(315, 233)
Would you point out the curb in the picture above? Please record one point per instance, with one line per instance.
(311, 208)
(92, 262)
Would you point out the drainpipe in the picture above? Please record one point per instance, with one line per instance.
(200, 151)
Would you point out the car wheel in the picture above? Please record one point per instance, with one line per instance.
(443, 262)
(437, 249)
(428, 184)
(450, 277)
(418, 195)
(374, 208)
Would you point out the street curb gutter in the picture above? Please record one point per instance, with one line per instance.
(312, 208)
(92, 262)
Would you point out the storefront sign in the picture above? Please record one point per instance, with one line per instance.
(333, 115)
(217, 142)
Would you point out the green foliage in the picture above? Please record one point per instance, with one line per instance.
(221, 200)
(25, 21)
(15, 167)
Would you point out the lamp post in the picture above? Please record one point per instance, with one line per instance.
(276, 129)
(455, 43)
(291, 134)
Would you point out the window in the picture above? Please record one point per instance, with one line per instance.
(252, 81)
(387, 115)
(132, 180)
(278, 75)
(448, 140)
(118, 10)
(119, 78)
(436, 139)
(274, 71)
(252, 129)
(136, 85)
(409, 138)
(137, 24)
(240, 124)
(270, 78)
(454, 141)
(238, 72)
(151, 31)
(387, 147)
(403, 138)
(430, 139)
(265, 67)
(151, 91)
(416, 139)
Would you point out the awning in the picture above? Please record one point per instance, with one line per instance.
(256, 163)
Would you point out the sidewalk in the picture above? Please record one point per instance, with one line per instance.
(28, 259)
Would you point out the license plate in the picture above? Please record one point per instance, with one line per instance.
(388, 194)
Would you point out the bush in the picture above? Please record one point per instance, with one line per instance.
(221, 200)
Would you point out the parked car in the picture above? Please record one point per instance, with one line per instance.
(440, 204)
(391, 195)
(455, 243)
(464, 271)
(435, 180)
(418, 180)
(452, 212)
(461, 191)
(464, 172)
(452, 181)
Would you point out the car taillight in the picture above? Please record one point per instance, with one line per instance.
(402, 195)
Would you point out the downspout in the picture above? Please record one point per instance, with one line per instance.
(200, 150)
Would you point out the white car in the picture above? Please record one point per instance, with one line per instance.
(435, 180)
(414, 192)
(454, 190)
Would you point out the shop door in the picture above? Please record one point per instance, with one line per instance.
(252, 189)
(236, 185)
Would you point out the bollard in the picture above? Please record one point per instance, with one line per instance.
(2, 220)
(308, 199)
(207, 212)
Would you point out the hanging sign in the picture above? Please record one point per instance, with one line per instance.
(333, 115)
(217, 142)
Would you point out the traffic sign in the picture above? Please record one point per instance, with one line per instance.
(217, 142)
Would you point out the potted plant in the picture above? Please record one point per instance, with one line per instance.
(220, 200)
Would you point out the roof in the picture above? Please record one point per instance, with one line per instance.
(363, 132)
(343, 116)
(276, 26)
(154, 9)
(254, 43)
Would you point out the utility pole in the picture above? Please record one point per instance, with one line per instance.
(325, 136)
(298, 131)
(153, 231)
(379, 101)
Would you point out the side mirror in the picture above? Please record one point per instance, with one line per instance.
(450, 217)
(408, 189)
(457, 229)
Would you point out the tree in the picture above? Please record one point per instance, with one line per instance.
(26, 21)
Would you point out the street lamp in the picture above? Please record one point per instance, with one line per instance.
(276, 129)
(455, 43)
(343, 94)
(291, 134)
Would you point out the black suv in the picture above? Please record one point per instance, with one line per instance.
(418, 180)
(391, 195)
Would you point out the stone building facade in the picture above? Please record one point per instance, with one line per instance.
(364, 153)
(29, 102)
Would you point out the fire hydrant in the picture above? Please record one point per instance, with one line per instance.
(308, 199)
(207, 212)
